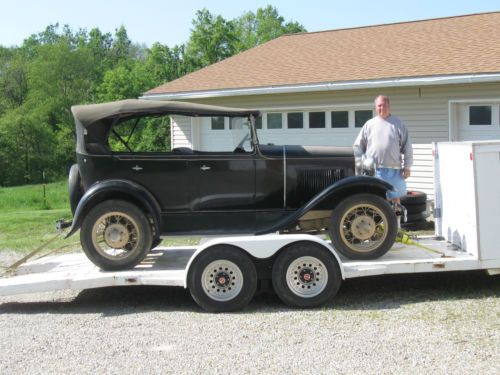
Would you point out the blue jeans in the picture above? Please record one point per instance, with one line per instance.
(395, 178)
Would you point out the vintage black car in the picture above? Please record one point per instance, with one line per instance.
(124, 200)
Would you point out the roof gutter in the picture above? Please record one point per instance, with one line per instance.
(330, 86)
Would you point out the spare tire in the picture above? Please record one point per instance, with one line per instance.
(413, 198)
(415, 208)
(74, 187)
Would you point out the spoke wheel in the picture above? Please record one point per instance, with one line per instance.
(306, 274)
(222, 278)
(363, 226)
(115, 235)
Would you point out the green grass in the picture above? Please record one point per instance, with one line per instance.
(27, 220)
(31, 197)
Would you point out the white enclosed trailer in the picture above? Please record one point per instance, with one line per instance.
(305, 270)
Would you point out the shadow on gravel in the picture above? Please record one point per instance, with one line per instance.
(369, 293)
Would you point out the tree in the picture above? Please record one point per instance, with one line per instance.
(212, 40)
(260, 27)
(120, 49)
(164, 63)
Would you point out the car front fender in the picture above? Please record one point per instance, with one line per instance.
(346, 186)
(116, 189)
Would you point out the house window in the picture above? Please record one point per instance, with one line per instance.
(317, 120)
(274, 120)
(480, 115)
(340, 119)
(218, 123)
(295, 120)
(360, 117)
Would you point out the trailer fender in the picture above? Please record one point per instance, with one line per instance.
(116, 189)
(347, 186)
(262, 247)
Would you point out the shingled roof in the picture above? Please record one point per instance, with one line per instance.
(437, 47)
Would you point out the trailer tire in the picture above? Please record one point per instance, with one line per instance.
(222, 278)
(306, 275)
(116, 235)
(363, 226)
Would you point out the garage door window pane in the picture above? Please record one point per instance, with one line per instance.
(480, 115)
(218, 123)
(295, 120)
(360, 117)
(340, 119)
(258, 122)
(274, 120)
(316, 120)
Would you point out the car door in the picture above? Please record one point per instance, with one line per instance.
(164, 175)
(224, 192)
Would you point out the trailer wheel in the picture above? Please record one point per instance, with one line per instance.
(115, 235)
(306, 274)
(363, 226)
(222, 278)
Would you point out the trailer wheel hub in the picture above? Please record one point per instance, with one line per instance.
(222, 279)
(306, 275)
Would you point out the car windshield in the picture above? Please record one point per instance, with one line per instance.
(241, 134)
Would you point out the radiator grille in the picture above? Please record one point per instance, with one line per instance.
(311, 182)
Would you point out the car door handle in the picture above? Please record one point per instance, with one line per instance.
(205, 168)
(137, 168)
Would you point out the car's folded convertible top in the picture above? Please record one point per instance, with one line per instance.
(90, 114)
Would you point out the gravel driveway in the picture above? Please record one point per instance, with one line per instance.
(435, 323)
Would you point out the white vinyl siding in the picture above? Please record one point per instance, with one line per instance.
(180, 132)
(422, 171)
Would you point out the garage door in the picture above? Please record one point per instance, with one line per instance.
(332, 127)
(479, 121)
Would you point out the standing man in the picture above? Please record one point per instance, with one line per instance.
(385, 138)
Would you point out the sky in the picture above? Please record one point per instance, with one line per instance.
(169, 21)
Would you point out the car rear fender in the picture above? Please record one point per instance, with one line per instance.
(116, 189)
(333, 195)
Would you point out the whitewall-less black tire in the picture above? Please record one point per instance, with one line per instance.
(222, 278)
(363, 226)
(305, 275)
(115, 235)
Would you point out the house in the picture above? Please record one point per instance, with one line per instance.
(317, 88)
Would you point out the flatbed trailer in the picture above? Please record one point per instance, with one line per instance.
(170, 266)
(305, 270)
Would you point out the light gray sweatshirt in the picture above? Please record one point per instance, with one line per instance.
(386, 140)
